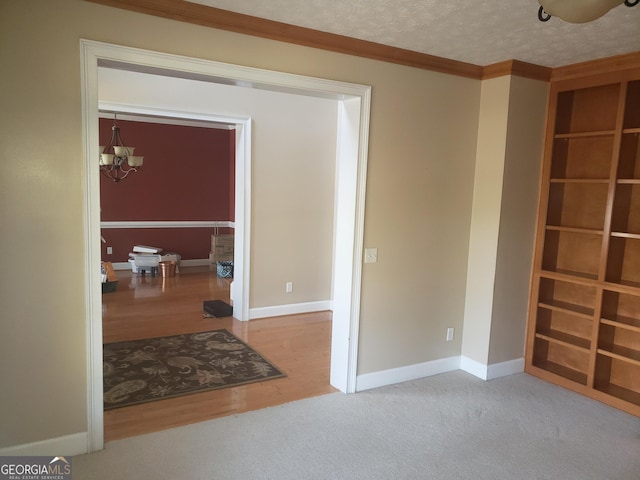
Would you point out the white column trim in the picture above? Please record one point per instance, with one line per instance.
(494, 370)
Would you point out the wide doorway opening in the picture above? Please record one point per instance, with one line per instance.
(350, 172)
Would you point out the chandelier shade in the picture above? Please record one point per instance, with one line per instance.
(117, 161)
(578, 11)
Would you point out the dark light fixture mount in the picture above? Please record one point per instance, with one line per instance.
(578, 11)
(116, 160)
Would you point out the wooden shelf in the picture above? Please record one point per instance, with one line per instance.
(635, 236)
(621, 353)
(620, 392)
(569, 308)
(600, 133)
(569, 373)
(570, 275)
(581, 180)
(558, 228)
(584, 313)
(620, 321)
(565, 339)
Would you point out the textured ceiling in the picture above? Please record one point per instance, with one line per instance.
(479, 32)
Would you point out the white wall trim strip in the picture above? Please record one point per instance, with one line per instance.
(194, 262)
(489, 372)
(292, 309)
(368, 381)
(69, 445)
(169, 224)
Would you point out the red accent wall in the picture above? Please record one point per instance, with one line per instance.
(187, 175)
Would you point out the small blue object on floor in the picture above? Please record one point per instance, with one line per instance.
(225, 269)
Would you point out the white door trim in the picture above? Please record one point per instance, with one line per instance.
(350, 193)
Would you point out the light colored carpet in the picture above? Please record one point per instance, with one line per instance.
(450, 426)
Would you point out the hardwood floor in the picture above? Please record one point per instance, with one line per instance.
(144, 307)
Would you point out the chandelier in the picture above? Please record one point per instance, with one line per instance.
(116, 160)
(578, 11)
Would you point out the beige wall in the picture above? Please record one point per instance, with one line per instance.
(527, 114)
(512, 115)
(485, 221)
(418, 205)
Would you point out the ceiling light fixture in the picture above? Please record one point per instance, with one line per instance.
(578, 11)
(116, 160)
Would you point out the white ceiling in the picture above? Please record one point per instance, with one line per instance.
(479, 32)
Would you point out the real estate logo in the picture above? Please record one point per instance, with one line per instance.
(35, 468)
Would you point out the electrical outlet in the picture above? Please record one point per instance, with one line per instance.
(450, 331)
(370, 255)
(288, 288)
(109, 250)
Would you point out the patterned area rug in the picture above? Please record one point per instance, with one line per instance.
(152, 369)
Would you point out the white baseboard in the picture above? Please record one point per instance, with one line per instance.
(69, 445)
(504, 369)
(292, 309)
(368, 381)
(383, 378)
(489, 372)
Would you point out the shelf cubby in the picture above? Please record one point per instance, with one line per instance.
(564, 327)
(572, 253)
(618, 378)
(569, 297)
(621, 310)
(629, 163)
(577, 205)
(561, 359)
(582, 158)
(589, 109)
(632, 105)
(623, 263)
(626, 209)
(619, 342)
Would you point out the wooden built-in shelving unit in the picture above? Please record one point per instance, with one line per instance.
(584, 315)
